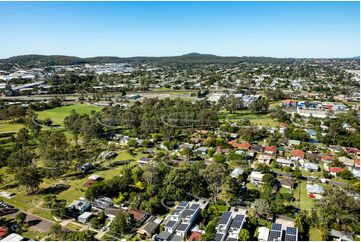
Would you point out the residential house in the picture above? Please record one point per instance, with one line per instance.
(3, 232)
(271, 150)
(86, 167)
(13, 237)
(312, 133)
(201, 150)
(314, 191)
(235, 227)
(256, 177)
(138, 215)
(293, 142)
(335, 148)
(195, 236)
(284, 162)
(150, 226)
(257, 148)
(222, 226)
(236, 172)
(181, 220)
(287, 183)
(81, 204)
(309, 166)
(102, 203)
(298, 154)
(264, 159)
(143, 161)
(163, 236)
(275, 232)
(263, 233)
(335, 170)
(112, 212)
(242, 146)
(85, 217)
(346, 161)
(340, 235)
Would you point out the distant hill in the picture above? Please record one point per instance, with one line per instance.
(191, 58)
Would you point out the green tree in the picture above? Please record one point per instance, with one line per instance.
(30, 178)
(244, 235)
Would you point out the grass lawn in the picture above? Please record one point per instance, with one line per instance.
(58, 114)
(33, 234)
(302, 201)
(73, 226)
(256, 119)
(6, 126)
(315, 234)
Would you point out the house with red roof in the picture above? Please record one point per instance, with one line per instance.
(271, 150)
(357, 163)
(3, 232)
(242, 146)
(327, 158)
(335, 170)
(298, 153)
(195, 236)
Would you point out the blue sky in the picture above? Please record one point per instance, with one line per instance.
(279, 29)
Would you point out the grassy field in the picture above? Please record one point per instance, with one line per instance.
(315, 234)
(6, 126)
(58, 114)
(73, 226)
(256, 119)
(302, 200)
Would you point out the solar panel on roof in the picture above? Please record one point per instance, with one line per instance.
(239, 217)
(182, 227)
(170, 224)
(231, 239)
(290, 238)
(291, 231)
(276, 227)
(183, 204)
(236, 224)
(226, 215)
(274, 236)
(218, 237)
(195, 206)
(222, 221)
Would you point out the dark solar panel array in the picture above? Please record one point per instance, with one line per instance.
(231, 239)
(290, 238)
(171, 223)
(291, 231)
(276, 227)
(224, 218)
(194, 206)
(182, 227)
(218, 237)
(274, 235)
(237, 221)
(183, 204)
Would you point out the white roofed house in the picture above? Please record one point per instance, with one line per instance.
(223, 225)
(315, 191)
(143, 161)
(256, 177)
(235, 227)
(264, 159)
(310, 166)
(284, 162)
(236, 172)
(201, 150)
(180, 221)
(346, 161)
